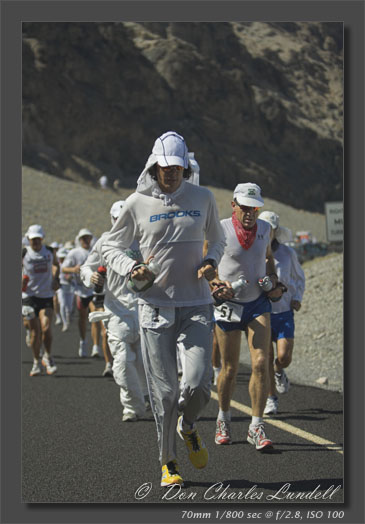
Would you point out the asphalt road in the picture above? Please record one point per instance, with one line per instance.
(75, 447)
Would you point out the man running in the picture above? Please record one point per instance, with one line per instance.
(169, 217)
(246, 255)
(288, 299)
(72, 263)
(121, 324)
(39, 282)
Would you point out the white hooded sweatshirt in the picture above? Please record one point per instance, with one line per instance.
(171, 227)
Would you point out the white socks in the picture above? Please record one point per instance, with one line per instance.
(256, 421)
(224, 415)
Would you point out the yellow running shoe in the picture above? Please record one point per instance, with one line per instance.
(198, 453)
(171, 475)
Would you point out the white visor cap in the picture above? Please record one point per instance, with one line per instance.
(170, 150)
(270, 217)
(84, 232)
(35, 231)
(248, 195)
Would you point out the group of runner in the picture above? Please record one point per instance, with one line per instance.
(176, 277)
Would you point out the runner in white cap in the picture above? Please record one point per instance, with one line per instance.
(40, 280)
(66, 291)
(170, 217)
(287, 299)
(56, 305)
(247, 256)
(121, 323)
(72, 263)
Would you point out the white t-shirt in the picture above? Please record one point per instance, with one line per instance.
(75, 257)
(66, 279)
(117, 293)
(251, 263)
(38, 266)
(291, 274)
(172, 228)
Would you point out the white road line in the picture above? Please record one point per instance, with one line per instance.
(332, 446)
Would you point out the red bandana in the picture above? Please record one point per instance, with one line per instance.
(245, 237)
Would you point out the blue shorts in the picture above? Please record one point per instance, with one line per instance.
(282, 325)
(251, 310)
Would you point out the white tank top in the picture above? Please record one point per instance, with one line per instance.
(38, 266)
(251, 263)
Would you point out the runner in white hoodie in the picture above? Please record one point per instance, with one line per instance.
(170, 218)
(121, 323)
(291, 275)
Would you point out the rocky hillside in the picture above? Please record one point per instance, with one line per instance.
(255, 101)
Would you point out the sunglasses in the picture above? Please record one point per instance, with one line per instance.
(171, 169)
(247, 209)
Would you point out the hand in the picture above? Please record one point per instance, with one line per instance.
(275, 293)
(77, 269)
(97, 279)
(295, 304)
(207, 270)
(142, 273)
(222, 290)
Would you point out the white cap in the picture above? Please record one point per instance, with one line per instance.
(55, 245)
(270, 217)
(84, 232)
(248, 195)
(116, 207)
(62, 253)
(170, 150)
(35, 231)
(68, 245)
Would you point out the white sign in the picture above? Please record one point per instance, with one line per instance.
(334, 221)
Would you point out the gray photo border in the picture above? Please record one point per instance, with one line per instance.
(13, 13)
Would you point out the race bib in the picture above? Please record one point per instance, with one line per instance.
(154, 317)
(228, 312)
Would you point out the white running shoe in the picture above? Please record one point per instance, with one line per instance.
(282, 382)
(108, 371)
(36, 370)
(49, 364)
(256, 436)
(83, 349)
(129, 417)
(271, 407)
(65, 327)
(95, 352)
(58, 320)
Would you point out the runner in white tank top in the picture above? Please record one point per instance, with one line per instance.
(40, 280)
(84, 295)
(66, 292)
(247, 255)
(291, 275)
